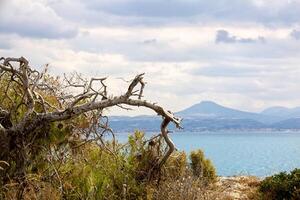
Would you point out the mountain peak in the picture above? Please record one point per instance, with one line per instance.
(276, 110)
(282, 111)
(208, 115)
(207, 103)
(206, 109)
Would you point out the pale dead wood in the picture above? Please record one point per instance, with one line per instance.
(74, 96)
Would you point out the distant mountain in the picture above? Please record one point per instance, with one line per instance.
(282, 112)
(208, 115)
(293, 123)
(276, 111)
(209, 109)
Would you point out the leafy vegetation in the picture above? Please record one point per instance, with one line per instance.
(52, 146)
(90, 172)
(281, 186)
(202, 167)
(52, 137)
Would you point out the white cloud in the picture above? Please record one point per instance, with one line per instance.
(33, 19)
(183, 64)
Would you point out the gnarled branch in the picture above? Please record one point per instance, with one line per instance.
(44, 99)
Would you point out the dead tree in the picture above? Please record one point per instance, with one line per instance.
(31, 100)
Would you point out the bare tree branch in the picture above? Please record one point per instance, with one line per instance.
(44, 99)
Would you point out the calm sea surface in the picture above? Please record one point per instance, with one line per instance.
(242, 153)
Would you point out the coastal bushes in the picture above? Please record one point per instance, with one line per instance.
(202, 167)
(90, 172)
(53, 139)
(46, 122)
(281, 186)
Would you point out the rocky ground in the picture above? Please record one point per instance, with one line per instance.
(237, 188)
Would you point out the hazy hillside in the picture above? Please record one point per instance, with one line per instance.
(209, 109)
(293, 123)
(208, 115)
(282, 112)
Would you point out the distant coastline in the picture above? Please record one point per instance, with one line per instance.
(210, 116)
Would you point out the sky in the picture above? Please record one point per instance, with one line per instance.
(243, 54)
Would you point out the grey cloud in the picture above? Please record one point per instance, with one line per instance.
(134, 49)
(149, 8)
(38, 30)
(231, 71)
(150, 41)
(147, 12)
(295, 34)
(223, 36)
(5, 45)
(34, 20)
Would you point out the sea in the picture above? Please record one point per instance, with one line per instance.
(257, 153)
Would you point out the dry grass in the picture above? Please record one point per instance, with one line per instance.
(186, 187)
(33, 191)
(237, 188)
(226, 188)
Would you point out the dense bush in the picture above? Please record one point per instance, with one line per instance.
(202, 167)
(281, 186)
(52, 140)
(93, 172)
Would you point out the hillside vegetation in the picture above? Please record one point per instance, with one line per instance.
(53, 146)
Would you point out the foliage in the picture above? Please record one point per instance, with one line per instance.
(281, 186)
(45, 121)
(91, 172)
(52, 140)
(202, 167)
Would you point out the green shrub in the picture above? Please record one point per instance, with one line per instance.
(202, 167)
(98, 174)
(90, 172)
(281, 186)
(176, 165)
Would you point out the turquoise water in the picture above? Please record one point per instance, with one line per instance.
(243, 153)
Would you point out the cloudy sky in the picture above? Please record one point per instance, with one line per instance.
(240, 53)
